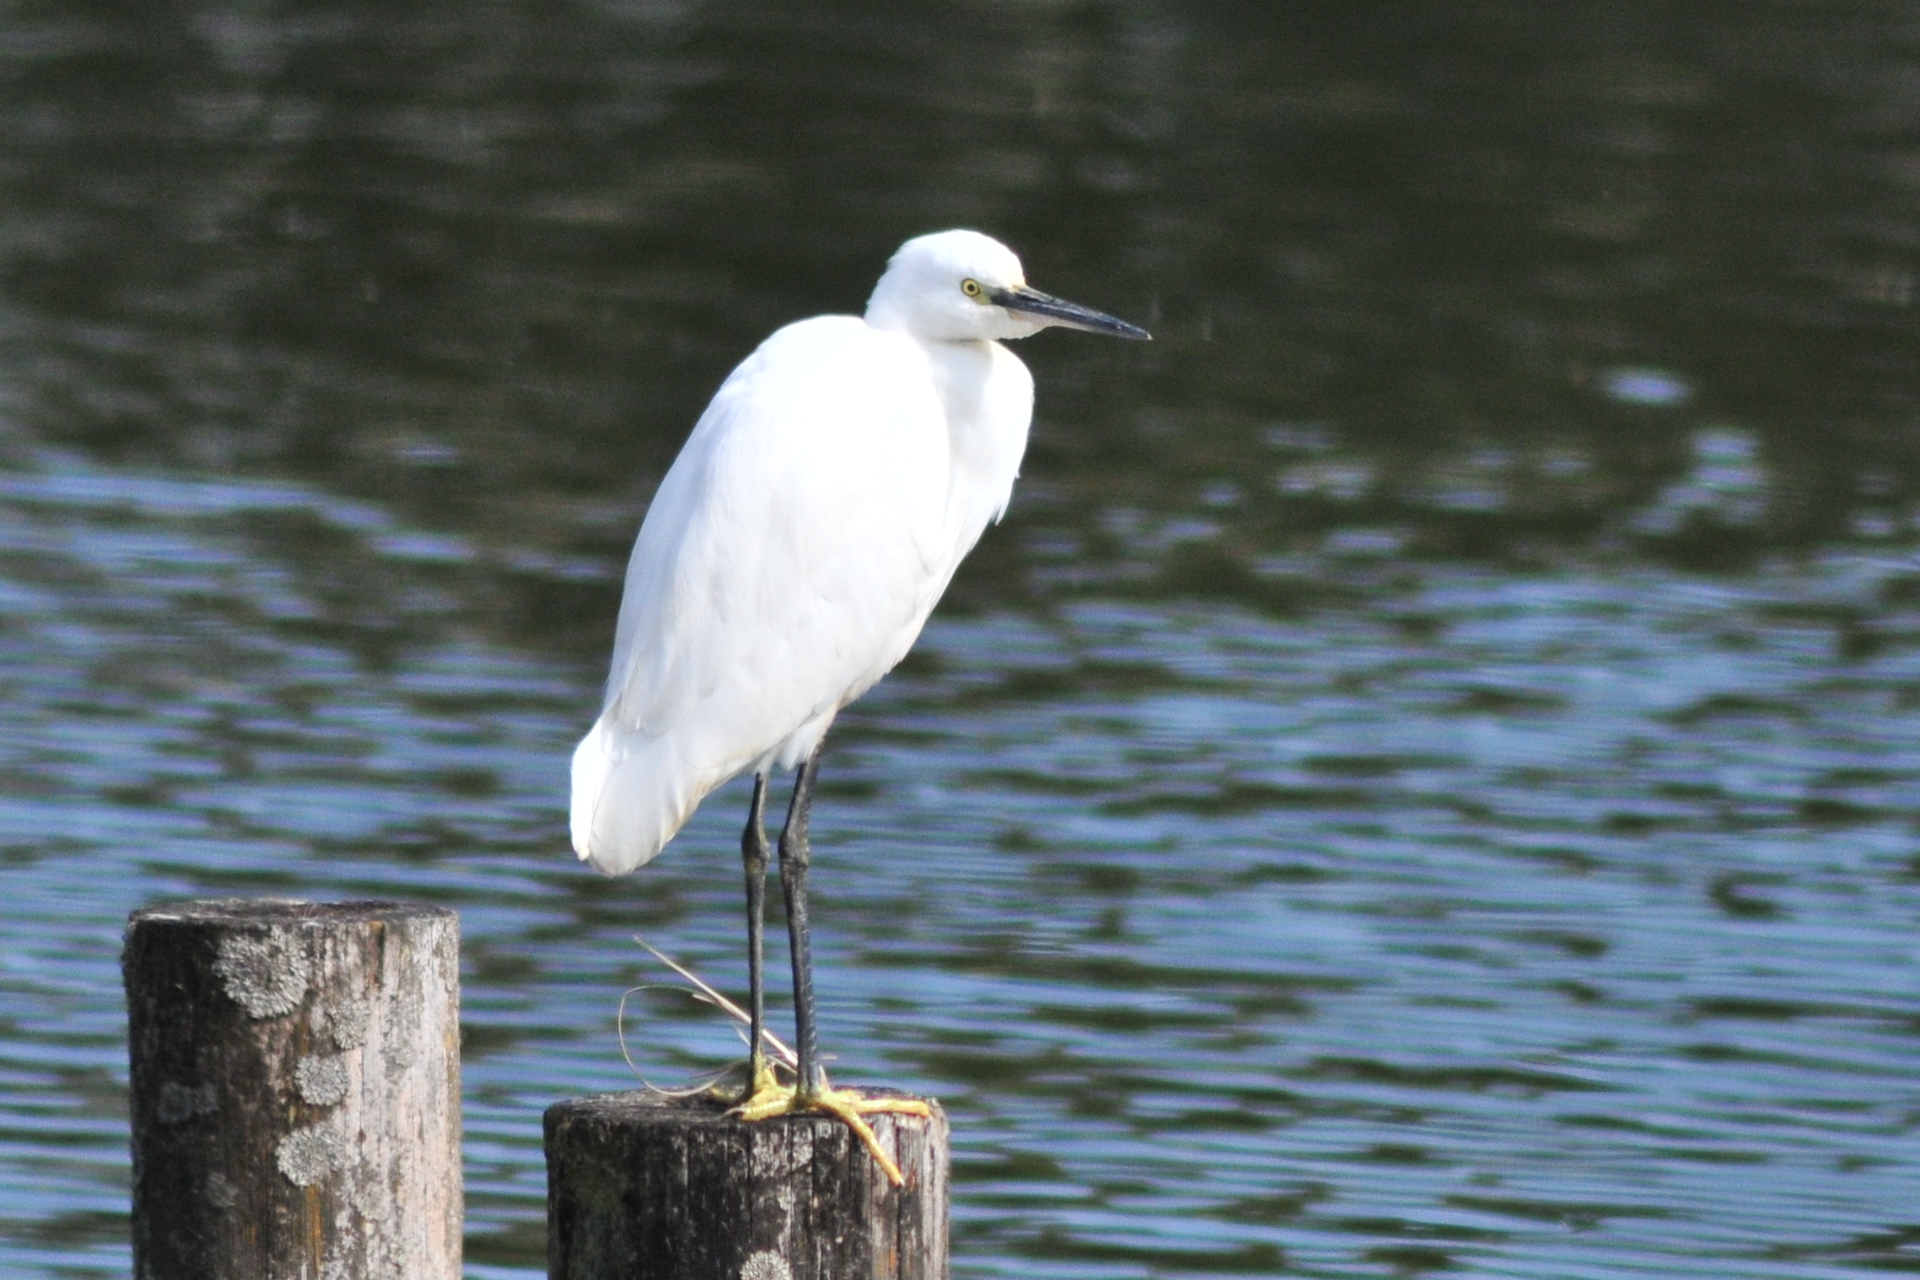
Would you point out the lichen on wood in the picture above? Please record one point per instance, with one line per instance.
(643, 1186)
(295, 1091)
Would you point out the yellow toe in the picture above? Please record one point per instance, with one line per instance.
(850, 1107)
(766, 1098)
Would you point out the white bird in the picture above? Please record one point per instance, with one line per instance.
(789, 560)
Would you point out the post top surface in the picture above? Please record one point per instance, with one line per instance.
(651, 1107)
(282, 911)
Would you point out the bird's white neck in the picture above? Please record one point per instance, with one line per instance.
(988, 397)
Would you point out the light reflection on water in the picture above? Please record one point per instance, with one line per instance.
(1424, 777)
(1536, 924)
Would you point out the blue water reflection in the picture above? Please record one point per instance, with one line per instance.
(1529, 924)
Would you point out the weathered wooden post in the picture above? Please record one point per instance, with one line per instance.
(296, 1091)
(642, 1186)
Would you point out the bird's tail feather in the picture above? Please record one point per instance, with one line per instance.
(630, 796)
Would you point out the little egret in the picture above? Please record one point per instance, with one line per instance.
(789, 560)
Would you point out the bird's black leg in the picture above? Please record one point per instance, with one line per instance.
(753, 854)
(794, 857)
(810, 1091)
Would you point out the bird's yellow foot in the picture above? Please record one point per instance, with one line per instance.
(762, 1095)
(766, 1097)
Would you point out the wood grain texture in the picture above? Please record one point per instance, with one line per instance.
(295, 1091)
(645, 1187)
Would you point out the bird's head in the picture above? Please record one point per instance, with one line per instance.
(960, 286)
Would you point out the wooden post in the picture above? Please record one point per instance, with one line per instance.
(296, 1091)
(646, 1187)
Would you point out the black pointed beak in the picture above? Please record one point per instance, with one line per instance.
(1045, 306)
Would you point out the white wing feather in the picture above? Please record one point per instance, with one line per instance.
(787, 562)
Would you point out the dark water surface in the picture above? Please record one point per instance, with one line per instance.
(1425, 778)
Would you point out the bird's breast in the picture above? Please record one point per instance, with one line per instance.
(986, 394)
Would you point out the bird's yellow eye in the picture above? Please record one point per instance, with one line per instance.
(971, 288)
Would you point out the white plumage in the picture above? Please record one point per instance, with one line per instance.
(805, 532)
